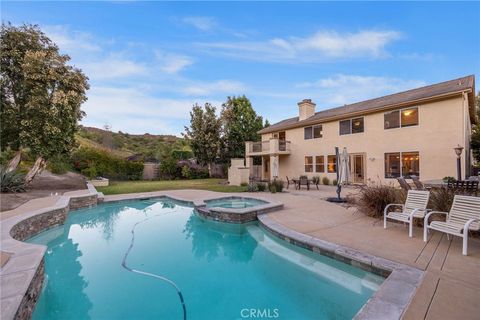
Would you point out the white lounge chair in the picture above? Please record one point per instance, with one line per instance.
(415, 207)
(464, 215)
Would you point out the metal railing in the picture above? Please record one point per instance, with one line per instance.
(262, 146)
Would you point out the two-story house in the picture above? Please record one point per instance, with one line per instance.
(407, 133)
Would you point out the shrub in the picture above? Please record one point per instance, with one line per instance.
(448, 178)
(262, 187)
(169, 170)
(186, 172)
(11, 181)
(106, 165)
(252, 187)
(372, 199)
(334, 182)
(441, 199)
(275, 186)
(325, 181)
(59, 165)
(90, 173)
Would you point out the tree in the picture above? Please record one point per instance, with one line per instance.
(204, 134)
(267, 124)
(475, 142)
(240, 123)
(41, 96)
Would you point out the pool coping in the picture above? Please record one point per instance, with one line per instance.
(22, 276)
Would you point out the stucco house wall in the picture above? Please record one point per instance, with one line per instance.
(442, 125)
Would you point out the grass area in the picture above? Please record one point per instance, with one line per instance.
(119, 187)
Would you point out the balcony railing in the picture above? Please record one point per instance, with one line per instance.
(273, 146)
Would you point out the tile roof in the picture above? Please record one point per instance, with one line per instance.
(392, 100)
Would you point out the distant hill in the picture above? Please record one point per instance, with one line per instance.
(146, 146)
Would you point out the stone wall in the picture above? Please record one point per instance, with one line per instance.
(31, 226)
(27, 306)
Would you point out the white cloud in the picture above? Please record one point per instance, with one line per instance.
(321, 46)
(136, 110)
(343, 89)
(201, 23)
(172, 63)
(113, 67)
(228, 87)
(71, 41)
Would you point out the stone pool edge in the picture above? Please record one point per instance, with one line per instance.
(395, 293)
(21, 278)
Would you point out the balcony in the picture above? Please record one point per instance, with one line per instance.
(269, 147)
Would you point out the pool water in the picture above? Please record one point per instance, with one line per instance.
(235, 203)
(224, 271)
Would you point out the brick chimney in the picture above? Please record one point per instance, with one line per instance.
(306, 109)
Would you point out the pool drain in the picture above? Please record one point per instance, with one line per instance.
(148, 274)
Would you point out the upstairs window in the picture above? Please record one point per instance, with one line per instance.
(313, 132)
(400, 118)
(349, 126)
(307, 133)
(409, 117)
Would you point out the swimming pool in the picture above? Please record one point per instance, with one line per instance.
(224, 271)
(234, 203)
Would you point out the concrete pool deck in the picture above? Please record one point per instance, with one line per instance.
(450, 288)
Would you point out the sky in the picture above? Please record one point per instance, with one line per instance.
(148, 63)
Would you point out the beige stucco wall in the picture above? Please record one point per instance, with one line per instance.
(442, 126)
(238, 172)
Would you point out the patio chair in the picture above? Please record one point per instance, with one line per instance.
(415, 207)
(303, 181)
(288, 182)
(403, 183)
(418, 184)
(464, 215)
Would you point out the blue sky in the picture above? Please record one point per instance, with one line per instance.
(149, 62)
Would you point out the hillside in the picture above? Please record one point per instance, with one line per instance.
(125, 145)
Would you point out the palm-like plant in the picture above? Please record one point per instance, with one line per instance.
(11, 181)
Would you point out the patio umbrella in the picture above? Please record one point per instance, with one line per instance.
(275, 167)
(344, 167)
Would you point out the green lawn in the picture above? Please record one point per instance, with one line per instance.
(118, 187)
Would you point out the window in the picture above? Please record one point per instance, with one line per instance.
(332, 164)
(392, 165)
(319, 164)
(404, 164)
(409, 117)
(357, 125)
(391, 119)
(317, 131)
(313, 132)
(400, 118)
(307, 133)
(345, 127)
(351, 126)
(308, 164)
(410, 164)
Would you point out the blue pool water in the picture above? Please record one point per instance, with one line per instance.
(224, 271)
(235, 202)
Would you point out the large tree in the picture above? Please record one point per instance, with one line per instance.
(240, 123)
(475, 144)
(41, 96)
(204, 134)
